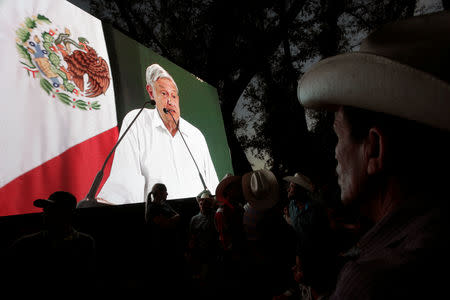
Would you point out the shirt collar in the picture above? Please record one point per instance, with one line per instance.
(158, 122)
(183, 126)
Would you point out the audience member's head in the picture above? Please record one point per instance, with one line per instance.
(205, 202)
(299, 184)
(159, 193)
(58, 211)
(391, 103)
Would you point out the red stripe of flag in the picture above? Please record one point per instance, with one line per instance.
(72, 171)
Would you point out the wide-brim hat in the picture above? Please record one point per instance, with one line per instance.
(301, 180)
(60, 199)
(204, 194)
(228, 180)
(402, 69)
(260, 189)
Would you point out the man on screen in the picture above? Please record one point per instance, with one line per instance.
(154, 151)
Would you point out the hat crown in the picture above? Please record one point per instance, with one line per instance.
(301, 180)
(205, 194)
(260, 189)
(402, 69)
(259, 184)
(422, 42)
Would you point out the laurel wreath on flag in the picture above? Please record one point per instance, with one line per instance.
(45, 64)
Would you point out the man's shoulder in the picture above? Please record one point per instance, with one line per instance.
(26, 240)
(147, 114)
(195, 219)
(191, 129)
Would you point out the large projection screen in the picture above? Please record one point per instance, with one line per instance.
(199, 103)
(62, 108)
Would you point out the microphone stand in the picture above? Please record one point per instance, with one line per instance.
(166, 111)
(90, 199)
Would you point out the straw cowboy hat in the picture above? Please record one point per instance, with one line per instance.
(260, 189)
(402, 69)
(204, 195)
(301, 180)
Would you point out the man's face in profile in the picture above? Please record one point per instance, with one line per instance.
(351, 167)
(166, 96)
(292, 190)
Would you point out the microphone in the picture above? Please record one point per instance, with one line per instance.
(167, 111)
(90, 200)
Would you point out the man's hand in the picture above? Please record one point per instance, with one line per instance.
(101, 200)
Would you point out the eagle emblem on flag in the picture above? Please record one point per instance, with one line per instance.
(68, 70)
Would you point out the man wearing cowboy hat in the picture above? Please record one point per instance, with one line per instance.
(58, 254)
(309, 218)
(392, 102)
(228, 223)
(299, 189)
(203, 238)
(270, 240)
(228, 217)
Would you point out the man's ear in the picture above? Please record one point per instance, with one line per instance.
(375, 151)
(150, 91)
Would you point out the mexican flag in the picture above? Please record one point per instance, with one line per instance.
(58, 116)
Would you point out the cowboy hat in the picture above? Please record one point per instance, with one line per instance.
(226, 182)
(301, 180)
(204, 194)
(260, 189)
(60, 199)
(402, 69)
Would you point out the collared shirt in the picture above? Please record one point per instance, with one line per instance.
(403, 256)
(314, 244)
(300, 217)
(148, 154)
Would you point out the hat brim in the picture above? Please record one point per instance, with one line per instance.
(376, 83)
(224, 183)
(300, 182)
(43, 203)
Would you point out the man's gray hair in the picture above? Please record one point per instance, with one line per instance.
(155, 72)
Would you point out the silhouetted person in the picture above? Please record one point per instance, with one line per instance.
(57, 257)
(270, 240)
(392, 103)
(203, 243)
(165, 261)
(315, 256)
(228, 223)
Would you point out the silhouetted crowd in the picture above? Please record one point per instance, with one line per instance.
(250, 240)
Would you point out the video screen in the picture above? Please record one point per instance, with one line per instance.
(70, 83)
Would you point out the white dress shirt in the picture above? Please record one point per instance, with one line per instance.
(148, 154)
